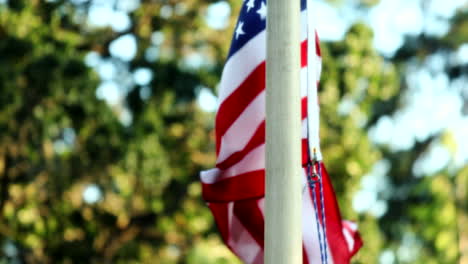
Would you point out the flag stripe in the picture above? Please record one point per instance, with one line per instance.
(254, 160)
(241, 64)
(249, 214)
(244, 186)
(257, 139)
(241, 241)
(239, 134)
(220, 213)
(235, 189)
(304, 107)
(304, 53)
(233, 106)
(239, 43)
(341, 254)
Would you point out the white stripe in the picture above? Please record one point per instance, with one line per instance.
(351, 225)
(312, 104)
(242, 130)
(348, 234)
(240, 240)
(349, 239)
(241, 65)
(303, 73)
(304, 128)
(261, 205)
(254, 160)
(210, 176)
(246, 59)
(318, 70)
(303, 25)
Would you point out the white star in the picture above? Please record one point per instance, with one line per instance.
(262, 11)
(239, 30)
(250, 5)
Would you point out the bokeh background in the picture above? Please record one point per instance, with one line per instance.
(107, 114)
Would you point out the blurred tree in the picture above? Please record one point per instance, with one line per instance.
(56, 137)
(426, 212)
(355, 82)
(83, 181)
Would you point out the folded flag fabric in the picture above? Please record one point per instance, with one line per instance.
(234, 190)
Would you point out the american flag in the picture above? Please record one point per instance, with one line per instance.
(235, 189)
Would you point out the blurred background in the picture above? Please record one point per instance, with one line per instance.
(107, 114)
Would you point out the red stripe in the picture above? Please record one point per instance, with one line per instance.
(304, 48)
(317, 45)
(304, 53)
(220, 213)
(305, 258)
(250, 215)
(358, 243)
(335, 237)
(233, 106)
(356, 238)
(304, 107)
(244, 186)
(305, 153)
(256, 140)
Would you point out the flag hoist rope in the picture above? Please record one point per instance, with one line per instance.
(314, 169)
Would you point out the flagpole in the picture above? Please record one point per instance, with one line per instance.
(283, 198)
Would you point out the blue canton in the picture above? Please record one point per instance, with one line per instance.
(250, 23)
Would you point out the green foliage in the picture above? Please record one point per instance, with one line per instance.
(425, 212)
(355, 81)
(141, 156)
(58, 140)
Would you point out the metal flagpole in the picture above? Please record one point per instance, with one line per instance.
(283, 198)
